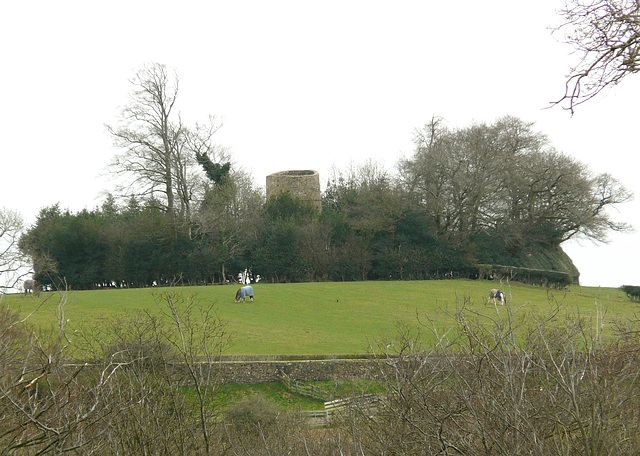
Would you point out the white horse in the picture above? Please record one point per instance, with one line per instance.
(498, 295)
(31, 287)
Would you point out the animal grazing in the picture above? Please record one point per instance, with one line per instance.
(243, 292)
(31, 287)
(498, 295)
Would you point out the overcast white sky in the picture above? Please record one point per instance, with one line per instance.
(300, 85)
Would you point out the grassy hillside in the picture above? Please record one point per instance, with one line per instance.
(324, 318)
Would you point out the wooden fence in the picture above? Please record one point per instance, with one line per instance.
(304, 389)
(366, 403)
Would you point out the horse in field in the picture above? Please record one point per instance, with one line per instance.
(31, 287)
(243, 292)
(498, 295)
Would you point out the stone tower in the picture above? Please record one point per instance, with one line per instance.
(303, 184)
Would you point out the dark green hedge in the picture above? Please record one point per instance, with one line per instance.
(632, 292)
(525, 275)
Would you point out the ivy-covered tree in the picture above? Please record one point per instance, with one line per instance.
(217, 173)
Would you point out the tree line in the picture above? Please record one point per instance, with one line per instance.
(495, 193)
(486, 194)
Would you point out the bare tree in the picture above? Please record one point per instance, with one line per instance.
(503, 382)
(198, 336)
(507, 175)
(430, 172)
(47, 405)
(605, 34)
(128, 395)
(371, 204)
(457, 174)
(159, 150)
(227, 216)
(551, 194)
(13, 264)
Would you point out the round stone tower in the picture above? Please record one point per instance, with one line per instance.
(303, 184)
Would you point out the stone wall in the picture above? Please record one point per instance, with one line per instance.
(303, 184)
(252, 372)
(249, 372)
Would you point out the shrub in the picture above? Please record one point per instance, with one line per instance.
(254, 410)
(510, 385)
(632, 292)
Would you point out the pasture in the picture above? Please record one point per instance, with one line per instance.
(324, 318)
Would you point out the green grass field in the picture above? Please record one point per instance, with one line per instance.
(326, 318)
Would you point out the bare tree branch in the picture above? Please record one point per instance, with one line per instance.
(605, 35)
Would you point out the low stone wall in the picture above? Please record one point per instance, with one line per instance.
(248, 372)
(251, 372)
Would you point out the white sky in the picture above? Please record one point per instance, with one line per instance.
(300, 85)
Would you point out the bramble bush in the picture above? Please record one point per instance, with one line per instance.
(509, 384)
